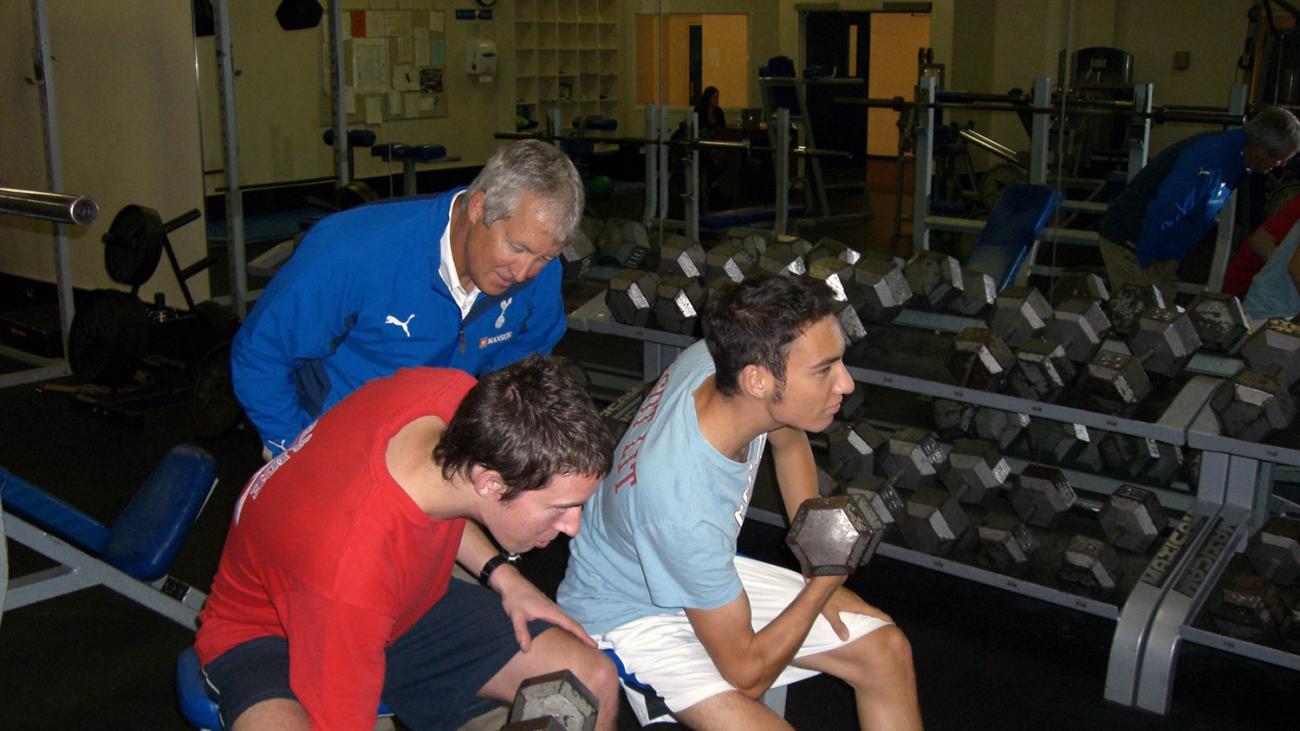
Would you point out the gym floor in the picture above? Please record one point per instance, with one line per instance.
(985, 658)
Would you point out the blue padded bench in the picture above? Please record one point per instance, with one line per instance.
(1013, 228)
(199, 709)
(131, 556)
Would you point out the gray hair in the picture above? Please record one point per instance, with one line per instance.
(1276, 129)
(535, 167)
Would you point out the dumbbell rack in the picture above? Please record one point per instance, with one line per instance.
(1231, 502)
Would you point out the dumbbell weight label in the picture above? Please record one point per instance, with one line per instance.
(684, 304)
(1158, 570)
(1199, 570)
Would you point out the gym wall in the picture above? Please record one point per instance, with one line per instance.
(128, 126)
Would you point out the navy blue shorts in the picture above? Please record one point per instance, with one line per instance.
(432, 672)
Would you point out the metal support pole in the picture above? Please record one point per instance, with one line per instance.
(1041, 130)
(342, 152)
(1228, 214)
(663, 162)
(923, 149)
(651, 167)
(44, 75)
(692, 192)
(1139, 144)
(230, 156)
(782, 171)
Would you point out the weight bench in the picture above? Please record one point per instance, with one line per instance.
(409, 155)
(196, 706)
(1011, 234)
(722, 220)
(130, 557)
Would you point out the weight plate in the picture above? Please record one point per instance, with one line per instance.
(133, 245)
(108, 337)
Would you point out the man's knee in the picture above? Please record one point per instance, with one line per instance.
(885, 653)
(597, 672)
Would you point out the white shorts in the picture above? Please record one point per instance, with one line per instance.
(662, 651)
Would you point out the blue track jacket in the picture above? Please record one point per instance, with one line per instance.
(362, 297)
(1170, 204)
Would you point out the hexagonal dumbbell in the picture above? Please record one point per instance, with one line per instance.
(1090, 564)
(1132, 518)
(834, 535)
(852, 450)
(679, 302)
(1128, 304)
(979, 292)
(1041, 371)
(935, 279)
(1080, 327)
(1249, 608)
(558, 696)
(1080, 285)
(578, 254)
(1113, 383)
(781, 260)
(1000, 427)
(1057, 442)
(1275, 550)
(756, 242)
(882, 288)
(1219, 319)
(624, 241)
(880, 494)
(975, 470)
(835, 249)
(1042, 494)
(1274, 349)
(1005, 543)
(730, 261)
(631, 296)
(838, 275)
(980, 359)
(1164, 340)
(680, 256)
(1130, 456)
(1018, 314)
(1251, 405)
(913, 457)
(934, 521)
(953, 418)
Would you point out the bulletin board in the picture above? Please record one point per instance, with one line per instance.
(394, 66)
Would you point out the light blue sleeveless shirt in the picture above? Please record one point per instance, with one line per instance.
(659, 535)
(1272, 292)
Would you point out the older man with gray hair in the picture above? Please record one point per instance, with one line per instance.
(466, 279)
(1169, 206)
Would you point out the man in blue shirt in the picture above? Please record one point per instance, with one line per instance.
(1169, 206)
(467, 279)
(654, 574)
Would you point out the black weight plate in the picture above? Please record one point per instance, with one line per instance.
(133, 245)
(107, 340)
(213, 406)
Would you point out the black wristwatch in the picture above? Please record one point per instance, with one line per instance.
(493, 563)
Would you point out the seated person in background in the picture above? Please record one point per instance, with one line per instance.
(708, 109)
(1249, 258)
(1172, 202)
(467, 279)
(334, 588)
(1275, 290)
(655, 574)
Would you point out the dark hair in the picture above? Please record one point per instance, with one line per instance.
(529, 421)
(754, 323)
(702, 104)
